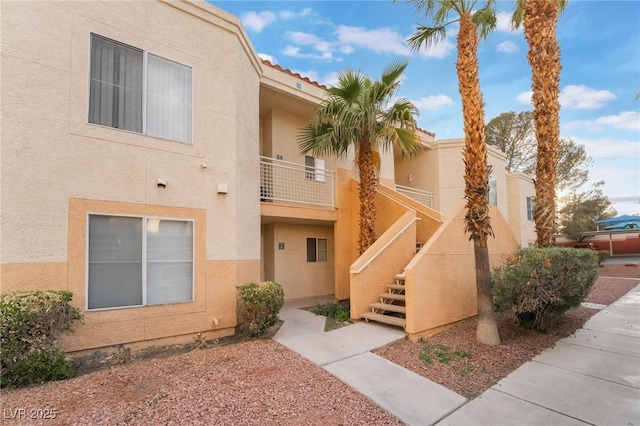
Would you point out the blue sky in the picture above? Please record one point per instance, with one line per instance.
(600, 42)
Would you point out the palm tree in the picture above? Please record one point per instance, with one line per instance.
(540, 18)
(473, 24)
(359, 113)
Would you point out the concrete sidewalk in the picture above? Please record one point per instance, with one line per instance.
(591, 378)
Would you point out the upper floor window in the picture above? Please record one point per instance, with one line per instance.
(314, 168)
(493, 191)
(531, 204)
(133, 90)
(137, 261)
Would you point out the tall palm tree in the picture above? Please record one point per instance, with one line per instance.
(540, 18)
(362, 114)
(473, 24)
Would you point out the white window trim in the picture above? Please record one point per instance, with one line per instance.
(145, 52)
(144, 260)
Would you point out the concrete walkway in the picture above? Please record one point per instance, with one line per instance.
(591, 378)
(345, 353)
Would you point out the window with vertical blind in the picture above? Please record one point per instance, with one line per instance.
(131, 89)
(138, 261)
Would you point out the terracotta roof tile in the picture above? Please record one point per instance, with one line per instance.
(315, 83)
(288, 71)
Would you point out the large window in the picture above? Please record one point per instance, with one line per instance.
(133, 90)
(137, 261)
(316, 249)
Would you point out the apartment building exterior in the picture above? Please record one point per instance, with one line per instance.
(149, 165)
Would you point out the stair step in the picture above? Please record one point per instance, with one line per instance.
(389, 308)
(392, 296)
(396, 287)
(400, 277)
(386, 319)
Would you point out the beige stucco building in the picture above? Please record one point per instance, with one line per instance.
(149, 165)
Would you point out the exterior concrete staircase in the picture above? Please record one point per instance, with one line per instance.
(391, 308)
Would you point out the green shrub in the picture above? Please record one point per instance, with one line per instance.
(337, 310)
(258, 306)
(539, 285)
(602, 256)
(30, 324)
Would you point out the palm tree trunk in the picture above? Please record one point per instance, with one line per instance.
(368, 185)
(476, 175)
(540, 20)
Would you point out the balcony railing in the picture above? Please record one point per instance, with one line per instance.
(282, 181)
(424, 197)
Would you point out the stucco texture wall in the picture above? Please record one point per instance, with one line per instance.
(440, 280)
(55, 164)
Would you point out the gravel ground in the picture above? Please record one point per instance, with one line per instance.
(486, 365)
(261, 382)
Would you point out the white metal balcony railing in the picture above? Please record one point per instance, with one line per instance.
(424, 197)
(296, 183)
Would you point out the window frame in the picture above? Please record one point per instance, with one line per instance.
(315, 172)
(531, 205)
(492, 195)
(144, 259)
(145, 91)
(316, 250)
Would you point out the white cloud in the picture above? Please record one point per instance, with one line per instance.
(381, 40)
(583, 97)
(576, 97)
(269, 58)
(628, 120)
(432, 103)
(507, 47)
(288, 14)
(257, 21)
(439, 50)
(610, 148)
(504, 23)
(525, 97)
(295, 52)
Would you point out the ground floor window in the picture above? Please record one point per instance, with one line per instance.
(316, 249)
(137, 261)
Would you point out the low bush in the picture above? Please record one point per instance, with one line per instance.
(602, 256)
(539, 285)
(336, 310)
(258, 307)
(30, 325)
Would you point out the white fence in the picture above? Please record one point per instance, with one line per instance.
(282, 181)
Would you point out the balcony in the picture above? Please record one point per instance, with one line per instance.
(285, 182)
(424, 197)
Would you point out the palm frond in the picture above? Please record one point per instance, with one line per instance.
(486, 19)
(427, 36)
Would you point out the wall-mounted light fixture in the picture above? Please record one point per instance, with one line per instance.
(162, 183)
(410, 178)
